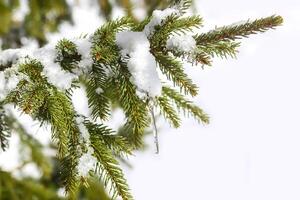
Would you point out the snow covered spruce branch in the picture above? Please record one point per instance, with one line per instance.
(124, 63)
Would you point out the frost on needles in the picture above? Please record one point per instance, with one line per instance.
(122, 64)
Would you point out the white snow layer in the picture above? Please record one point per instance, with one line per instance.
(158, 16)
(99, 90)
(83, 130)
(181, 43)
(135, 47)
(84, 49)
(86, 163)
(57, 76)
(10, 55)
(9, 78)
(141, 63)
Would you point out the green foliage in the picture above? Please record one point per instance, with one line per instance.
(15, 189)
(43, 16)
(134, 108)
(108, 84)
(5, 132)
(67, 54)
(5, 15)
(108, 169)
(115, 143)
(168, 111)
(94, 191)
(174, 71)
(237, 31)
(188, 108)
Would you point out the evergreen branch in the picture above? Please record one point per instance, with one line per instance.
(36, 97)
(68, 173)
(67, 54)
(32, 98)
(12, 188)
(110, 173)
(108, 30)
(109, 82)
(33, 69)
(104, 49)
(221, 49)
(5, 131)
(185, 24)
(233, 32)
(174, 71)
(95, 190)
(66, 134)
(186, 106)
(60, 114)
(173, 24)
(141, 25)
(30, 95)
(115, 143)
(97, 101)
(182, 5)
(135, 110)
(168, 111)
(202, 58)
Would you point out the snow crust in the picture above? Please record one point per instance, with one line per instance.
(83, 130)
(9, 80)
(99, 90)
(158, 16)
(52, 70)
(181, 43)
(135, 47)
(84, 49)
(9, 77)
(87, 161)
(10, 56)
(57, 76)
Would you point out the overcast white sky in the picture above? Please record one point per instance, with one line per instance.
(251, 149)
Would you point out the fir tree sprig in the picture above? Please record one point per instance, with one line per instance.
(106, 66)
(239, 30)
(109, 171)
(174, 71)
(186, 106)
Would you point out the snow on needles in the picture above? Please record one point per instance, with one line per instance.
(181, 43)
(84, 49)
(87, 161)
(52, 70)
(135, 49)
(141, 63)
(158, 16)
(57, 76)
(9, 77)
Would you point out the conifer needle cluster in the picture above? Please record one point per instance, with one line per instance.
(136, 66)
